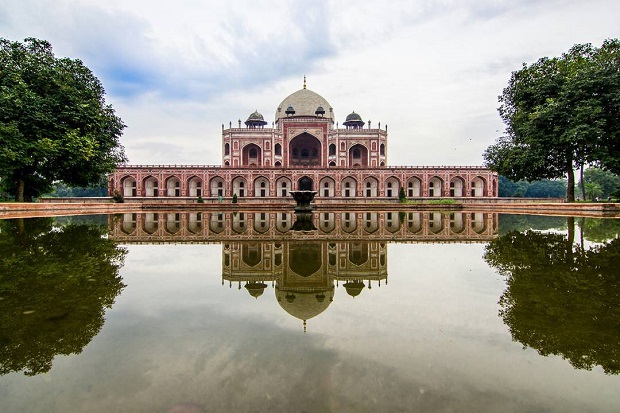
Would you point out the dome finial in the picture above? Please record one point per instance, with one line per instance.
(304, 81)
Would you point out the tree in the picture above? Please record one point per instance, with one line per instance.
(593, 190)
(608, 182)
(546, 188)
(402, 197)
(561, 298)
(560, 114)
(54, 122)
(56, 283)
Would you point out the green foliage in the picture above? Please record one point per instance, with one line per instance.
(54, 122)
(118, 197)
(546, 188)
(561, 113)
(234, 199)
(519, 222)
(200, 200)
(560, 298)
(55, 284)
(508, 188)
(443, 201)
(402, 198)
(602, 183)
(61, 190)
(593, 190)
(599, 230)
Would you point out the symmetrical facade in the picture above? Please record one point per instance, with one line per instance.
(304, 149)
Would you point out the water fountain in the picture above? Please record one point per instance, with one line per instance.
(303, 210)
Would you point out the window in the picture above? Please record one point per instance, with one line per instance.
(278, 149)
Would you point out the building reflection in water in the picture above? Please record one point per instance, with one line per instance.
(304, 274)
(270, 225)
(346, 250)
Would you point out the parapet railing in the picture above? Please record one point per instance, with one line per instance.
(185, 166)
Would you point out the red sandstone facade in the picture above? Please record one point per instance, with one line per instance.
(302, 150)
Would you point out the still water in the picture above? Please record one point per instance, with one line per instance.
(356, 312)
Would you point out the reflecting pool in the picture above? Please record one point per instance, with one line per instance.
(367, 312)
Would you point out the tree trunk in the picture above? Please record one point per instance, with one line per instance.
(583, 184)
(570, 240)
(570, 185)
(19, 197)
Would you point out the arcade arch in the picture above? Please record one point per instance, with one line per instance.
(348, 187)
(195, 186)
(129, 186)
(251, 155)
(370, 187)
(261, 187)
(217, 186)
(150, 186)
(478, 186)
(305, 184)
(358, 155)
(173, 186)
(283, 186)
(435, 187)
(413, 187)
(240, 186)
(435, 222)
(327, 187)
(392, 187)
(304, 150)
(392, 222)
(456, 186)
(348, 222)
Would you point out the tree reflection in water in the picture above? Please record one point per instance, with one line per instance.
(55, 283)
(561, 299)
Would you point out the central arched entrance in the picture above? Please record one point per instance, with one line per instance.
(305, 150)
(305, 184)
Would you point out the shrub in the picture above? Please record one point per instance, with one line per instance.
(118, 197)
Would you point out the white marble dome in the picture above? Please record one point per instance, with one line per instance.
(305, 103)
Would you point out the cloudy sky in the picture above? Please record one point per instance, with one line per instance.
(431, 70)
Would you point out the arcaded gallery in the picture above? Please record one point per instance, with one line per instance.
(304, 149)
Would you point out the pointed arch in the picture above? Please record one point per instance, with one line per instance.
(435, 187)
(414, 187)
(370, 187)
(392, 187)
(261, 187)
(348, 187)
(218, 187)
(173, 186)
(327, 187)
(457, 186)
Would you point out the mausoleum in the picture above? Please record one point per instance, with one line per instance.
(304, 149)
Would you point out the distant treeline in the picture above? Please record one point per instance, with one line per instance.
(597, 183)
(60, 190)
(545, 188)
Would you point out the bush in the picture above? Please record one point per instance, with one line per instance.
(402, 198)
(234, 201)
(118, 197)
